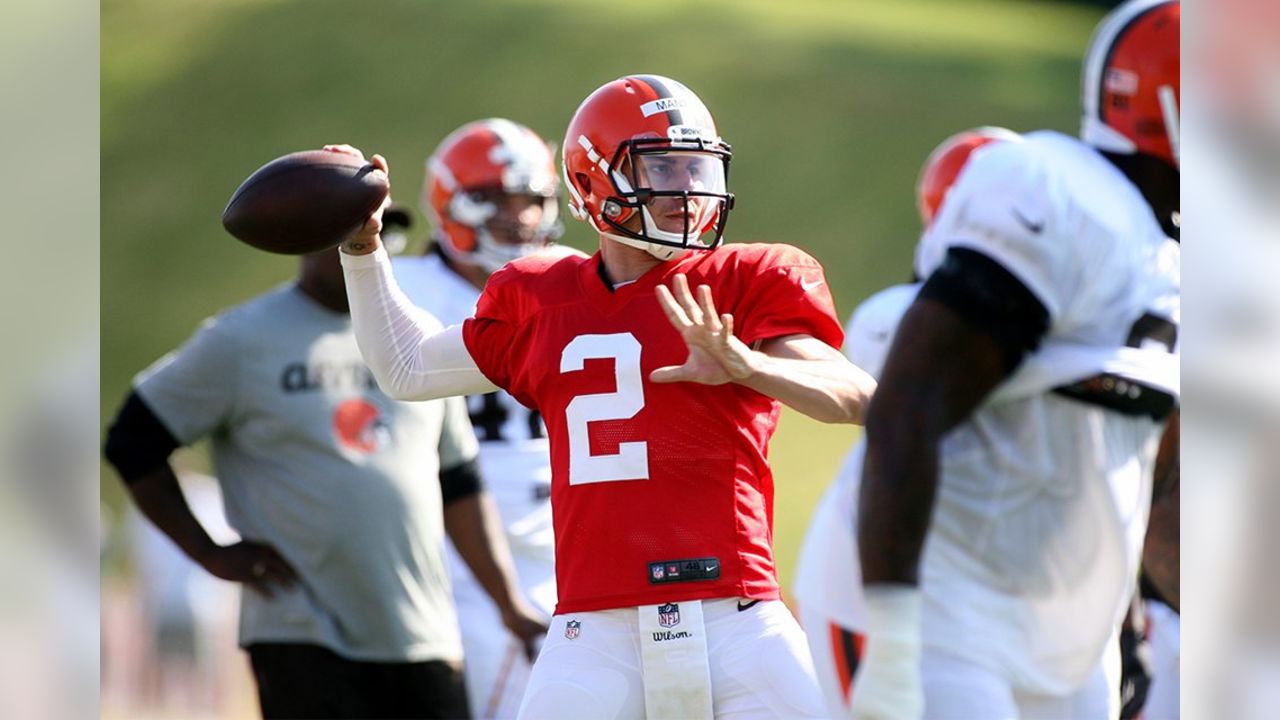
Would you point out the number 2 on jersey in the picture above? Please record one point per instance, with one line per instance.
(632, 459)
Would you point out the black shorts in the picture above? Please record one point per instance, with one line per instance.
(309, 681)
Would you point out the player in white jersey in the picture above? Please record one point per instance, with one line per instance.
(491, 193)
(1007, 475)
(828, 560)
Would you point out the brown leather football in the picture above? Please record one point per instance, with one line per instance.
(304, 202)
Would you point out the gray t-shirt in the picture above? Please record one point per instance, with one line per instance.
(314, 459)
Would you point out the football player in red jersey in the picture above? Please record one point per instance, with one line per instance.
(659, 365)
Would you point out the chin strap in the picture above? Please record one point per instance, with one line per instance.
(661, 252)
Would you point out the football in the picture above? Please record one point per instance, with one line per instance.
(304, 202)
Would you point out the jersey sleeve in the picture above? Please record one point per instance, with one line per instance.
(1003, 207)
(193, 389)
(789, 295)
(491, 332)
(457, 439)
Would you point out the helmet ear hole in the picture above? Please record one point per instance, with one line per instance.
(584, 182)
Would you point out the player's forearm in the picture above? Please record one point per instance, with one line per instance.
(412, 356)
(160, 498)
(1161, 553)
(1162, 550)
(895, 503)
(473, 525)
(830, 391)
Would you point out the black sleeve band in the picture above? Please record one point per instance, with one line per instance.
(460, 481)
(137, 442)
(990, 299)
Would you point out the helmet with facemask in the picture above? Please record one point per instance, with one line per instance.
(644, 165)
(491, 193)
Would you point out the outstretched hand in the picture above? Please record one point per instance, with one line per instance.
(715, 355)
(368, 237)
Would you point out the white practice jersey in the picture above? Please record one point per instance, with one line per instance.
(514, 455)
(1043, 499)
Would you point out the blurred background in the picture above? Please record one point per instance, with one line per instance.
(831, 108)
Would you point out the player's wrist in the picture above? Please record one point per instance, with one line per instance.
(894, 613)
(748, 365)
(205, 553)
(361, 244)
(889, 682)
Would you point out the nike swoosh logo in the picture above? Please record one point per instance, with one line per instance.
(807, 285)
(1034, 227)
(747, 606)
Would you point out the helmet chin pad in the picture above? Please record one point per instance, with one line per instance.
(661, 252)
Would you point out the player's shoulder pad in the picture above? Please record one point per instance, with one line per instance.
(522, 285)
(551, 262)
(1018, 166)
(766, 255)
(1005, 196)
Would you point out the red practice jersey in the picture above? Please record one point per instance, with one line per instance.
(660, 492)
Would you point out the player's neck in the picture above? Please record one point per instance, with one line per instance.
(1158, 181)
(320, 278)
(324, 296)
(624, 264)
(475, 275)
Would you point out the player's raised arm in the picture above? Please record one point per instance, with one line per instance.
(798, 370)
(412, 356)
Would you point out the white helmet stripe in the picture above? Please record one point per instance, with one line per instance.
(522, 155)
(1169, 108)
(441, 171)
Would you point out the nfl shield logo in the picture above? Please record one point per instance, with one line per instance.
(573, 629)
(657, 572)
(669, 615)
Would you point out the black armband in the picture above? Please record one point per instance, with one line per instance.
(460, 481)
(991, 299)
(137, 442)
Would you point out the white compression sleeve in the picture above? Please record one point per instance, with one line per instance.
(412, 356)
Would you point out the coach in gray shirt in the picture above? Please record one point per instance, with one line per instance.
(332, 485)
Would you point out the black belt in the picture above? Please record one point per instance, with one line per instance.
(1122, 395)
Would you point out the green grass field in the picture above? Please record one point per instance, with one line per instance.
(830, 106)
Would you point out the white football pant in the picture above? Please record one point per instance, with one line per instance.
(592, 670)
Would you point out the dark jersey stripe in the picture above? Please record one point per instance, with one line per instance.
(674, 116)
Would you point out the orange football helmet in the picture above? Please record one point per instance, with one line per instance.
(644, 165)
(1130, 88)
(471, 177)
(943, 166)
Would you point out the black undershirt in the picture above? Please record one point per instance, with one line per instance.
(991, 299)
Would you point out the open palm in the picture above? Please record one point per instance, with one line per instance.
(715, 355)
